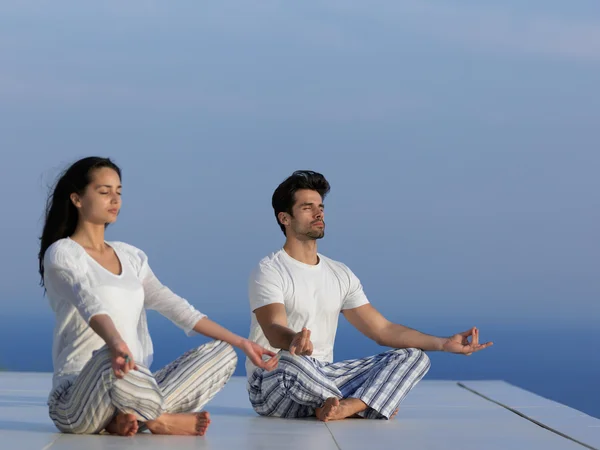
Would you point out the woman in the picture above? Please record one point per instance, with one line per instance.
(102, 349)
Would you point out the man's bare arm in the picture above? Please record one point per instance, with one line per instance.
(273, 321)
(374, 325)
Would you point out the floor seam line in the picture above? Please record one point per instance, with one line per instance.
(333, 437)
(524, 416)
(47, 446)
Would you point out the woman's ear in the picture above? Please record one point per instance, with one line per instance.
(75, 199)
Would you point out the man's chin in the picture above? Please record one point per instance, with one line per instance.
(316, 235)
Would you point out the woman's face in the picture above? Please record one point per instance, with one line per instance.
(101, 200)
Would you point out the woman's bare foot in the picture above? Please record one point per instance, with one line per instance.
(394, 414)
(189, 424)
(123, 425)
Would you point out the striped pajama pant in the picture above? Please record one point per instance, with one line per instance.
(300, 383)
(89, 403)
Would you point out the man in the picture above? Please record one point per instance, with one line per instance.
(296, 296)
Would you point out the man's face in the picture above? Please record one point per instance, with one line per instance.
(307, 220)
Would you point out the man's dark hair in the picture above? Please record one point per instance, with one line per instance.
(284, 196)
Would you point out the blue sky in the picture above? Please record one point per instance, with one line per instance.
(460, 139)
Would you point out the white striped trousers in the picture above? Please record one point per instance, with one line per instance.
(89, 403)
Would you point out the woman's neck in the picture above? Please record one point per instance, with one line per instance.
(90, 236)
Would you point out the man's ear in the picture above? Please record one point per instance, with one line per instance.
(76, 200)
(284, 218)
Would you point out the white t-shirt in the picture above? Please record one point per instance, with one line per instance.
(78, 288)
(313, 296)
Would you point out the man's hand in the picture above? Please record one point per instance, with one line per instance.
(301, 344)
(255, 352)
(122, 360)
(459, 343)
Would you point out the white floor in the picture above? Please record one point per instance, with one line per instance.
(435, 415)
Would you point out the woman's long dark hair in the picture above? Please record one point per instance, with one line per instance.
(61, 214)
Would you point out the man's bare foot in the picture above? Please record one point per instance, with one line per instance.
(123, 425)
(189, 424)
(334, 409)
(329, 408)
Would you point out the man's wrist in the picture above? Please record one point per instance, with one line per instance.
(442, 344)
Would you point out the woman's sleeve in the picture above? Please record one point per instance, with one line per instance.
(160, 298)
(65, 275)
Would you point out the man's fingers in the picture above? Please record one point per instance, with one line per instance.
(482, 346)
(475, 348)
(305, 338)
(310, 348)
(475, 340)
(302, 344)
(467, 333)
(293, 349)
(269, 353)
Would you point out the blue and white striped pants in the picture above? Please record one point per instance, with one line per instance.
(89, 403)
(300, 384)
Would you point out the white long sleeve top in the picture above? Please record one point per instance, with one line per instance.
(79, 288)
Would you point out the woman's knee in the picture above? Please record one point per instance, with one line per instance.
(229, 353)
(225, 352)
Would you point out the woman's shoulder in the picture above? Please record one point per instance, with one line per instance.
(134, 254)
(64, 252)
(125, 247)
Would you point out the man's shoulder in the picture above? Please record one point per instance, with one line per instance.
(337, 266)
(272, 263)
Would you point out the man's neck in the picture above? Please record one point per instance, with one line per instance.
(303, 251)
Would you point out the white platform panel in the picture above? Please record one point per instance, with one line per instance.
(435, 415)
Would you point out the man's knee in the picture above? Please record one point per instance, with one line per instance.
(293, 363)
(288, 370)
(415, 356)
(421, 357)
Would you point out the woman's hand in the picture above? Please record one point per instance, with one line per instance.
(122, 360)
(255, 352)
